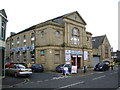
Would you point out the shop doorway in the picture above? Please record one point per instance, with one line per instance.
(78, 62)
(73, 60)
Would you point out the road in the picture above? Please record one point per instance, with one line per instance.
(101, 79)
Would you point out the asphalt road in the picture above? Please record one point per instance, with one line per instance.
(103, 79)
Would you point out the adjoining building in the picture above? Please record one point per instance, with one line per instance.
(60, 40)
(101, 49)
(3, 22)
(115, 56)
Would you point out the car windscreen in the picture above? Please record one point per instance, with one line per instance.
(20, 66)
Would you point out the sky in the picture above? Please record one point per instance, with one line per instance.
(101, 16)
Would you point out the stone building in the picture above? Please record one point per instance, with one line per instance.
(101, 49)
(60, 40)
(3, 22)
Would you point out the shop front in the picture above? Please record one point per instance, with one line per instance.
(74, 58)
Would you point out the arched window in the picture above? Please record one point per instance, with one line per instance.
(75, 37)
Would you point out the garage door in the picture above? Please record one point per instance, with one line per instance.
(96, 60)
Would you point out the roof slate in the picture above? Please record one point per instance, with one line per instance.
(97, 41)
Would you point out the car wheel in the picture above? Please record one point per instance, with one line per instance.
(16, 75)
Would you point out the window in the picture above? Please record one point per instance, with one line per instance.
(18, 41)
(32, 39)
(12, 42)
(106, 52)
(32, 43)
(24, 56)
(42, 52)
(32, 35)
(32, 56)
(24, 40)
(18, 56)
(75, 39)
(42, 33)
(3, 30)
(57, 33)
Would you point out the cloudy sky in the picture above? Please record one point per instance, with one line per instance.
(101, 16)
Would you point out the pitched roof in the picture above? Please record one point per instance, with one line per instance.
(58, 20)
(97, 41)
(3, 13)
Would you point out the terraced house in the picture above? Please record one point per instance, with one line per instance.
(60, 40)
(3, 22)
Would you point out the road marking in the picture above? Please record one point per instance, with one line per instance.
(39, 81)
(115, 72)
(46, 80)
(99, 77)
(99, 72)
(56, 78)
(72, 84)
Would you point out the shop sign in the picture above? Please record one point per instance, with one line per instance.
(68, 51)
(76, 52)
(22, 49)
(85, 55)
(67, 57)
(74, 69)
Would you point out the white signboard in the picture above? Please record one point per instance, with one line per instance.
(85, 55)
(74, 69)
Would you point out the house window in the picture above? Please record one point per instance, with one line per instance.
(106, 52)
(75, 39)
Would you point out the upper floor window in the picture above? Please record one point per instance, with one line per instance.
(3, 29)
(106, 52)
(42, 33)
(12, 42)
(57, 33)
(32, 35)
(75, 37)
(18, 41)
(24, 37)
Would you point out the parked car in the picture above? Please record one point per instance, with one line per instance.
(59, 68)
(103, 66)
(8, 64)
(18, 70)
(37, 67)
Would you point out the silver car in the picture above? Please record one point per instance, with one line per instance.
(18, 70)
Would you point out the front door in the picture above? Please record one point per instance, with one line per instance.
(78, 62)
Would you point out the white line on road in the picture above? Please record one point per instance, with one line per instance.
(99, 77)
(72, 84)
(39, 81)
